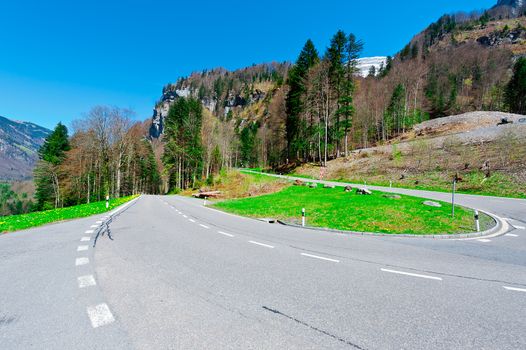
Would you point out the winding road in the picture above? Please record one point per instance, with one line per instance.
(175, 274)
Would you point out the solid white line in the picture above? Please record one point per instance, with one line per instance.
(320, 257)
(203, 226)
(261, 244)
(82, 248)
(89, 231)
(85, 239)
(511, 235)
(515, 289)
(412, 274)
(81, 261)
(225, 234)
(191, 220)
(86, 281)
(484, 240)
(99, 315)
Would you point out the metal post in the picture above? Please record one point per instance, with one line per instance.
(453, 197)
(477, 223)
(107, 201)
(303, 217)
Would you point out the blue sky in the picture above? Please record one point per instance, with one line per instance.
(60, 58)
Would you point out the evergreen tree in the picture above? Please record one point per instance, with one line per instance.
(294, 105)
(51, 154)
(515, 95)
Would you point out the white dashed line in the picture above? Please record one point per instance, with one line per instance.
(94, 226)
(412, 274)
(85, 239)
(261, 244)
(81, 261)
(511, 235)
(320, 257)
(86, 281)
(519, 227)
(82, 248)
(89, 231)
(203, 226)
(100, 315)
(225, 234)
(184, 216)
(484, 240)
(98, 222)
(191, 220)
(515, 289)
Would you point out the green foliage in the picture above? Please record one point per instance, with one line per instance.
(515, 95)
(333, 208)
(55, 146)
(249, 144)
(12, 203)
(307, 58)
(21, 222)
(183, 156)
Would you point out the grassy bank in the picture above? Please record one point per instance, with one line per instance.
(333, 208)
(24, 221)
(498, 184)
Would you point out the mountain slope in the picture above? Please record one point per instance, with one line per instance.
(19, 144)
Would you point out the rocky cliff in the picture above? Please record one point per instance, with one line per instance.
(19, 144)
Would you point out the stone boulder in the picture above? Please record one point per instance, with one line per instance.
(432, 204)
(363, 191)
(348, 188)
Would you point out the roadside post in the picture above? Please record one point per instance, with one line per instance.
(453, 196)
(204, 203)
(107, 201)
(390, 184)
(303, 217)
(477, 223)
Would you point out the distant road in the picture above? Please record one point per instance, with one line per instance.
(178, 275)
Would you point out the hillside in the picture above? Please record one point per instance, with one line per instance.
(487, 157)
(19, 144)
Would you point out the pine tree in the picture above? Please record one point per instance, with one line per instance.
(515, 95)
(51, 154)
(294, 105)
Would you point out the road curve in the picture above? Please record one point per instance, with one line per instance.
(178, 275)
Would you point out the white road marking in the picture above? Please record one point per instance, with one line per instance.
(225, 234)
(85, 239)
(94, 226)
(519, 227)
(89, 231)
(184, 216)
(511, 235)
(203, 226)
(484, 240)
(515, 289)
(100, 315)
(320, 257)
(261, 244)
(191, 220)
(82, 248)
(412, 274)
(81, 261)
(86, 281)
(98, 222)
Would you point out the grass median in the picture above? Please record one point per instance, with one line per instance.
(336, 209)
(24, 221)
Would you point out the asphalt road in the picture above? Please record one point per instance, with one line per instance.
(177, 275)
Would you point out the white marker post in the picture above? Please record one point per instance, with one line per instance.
(390, 184)
(477, 223)
(453, 197)
(107, 201)
(303, 217)
(204, 203)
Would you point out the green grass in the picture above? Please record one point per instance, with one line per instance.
(498, 184)
(24, 221)
(333, 208)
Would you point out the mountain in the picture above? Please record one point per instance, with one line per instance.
(19, 144)
(365, 64)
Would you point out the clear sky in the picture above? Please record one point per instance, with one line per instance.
(60, 58)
